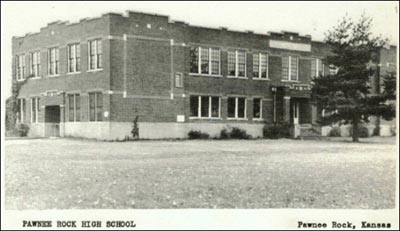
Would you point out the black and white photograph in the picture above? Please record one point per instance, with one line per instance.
(199, 115)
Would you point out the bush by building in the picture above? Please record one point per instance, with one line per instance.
(193, 135)
(335, 132)
(276, 130)
(362, 131)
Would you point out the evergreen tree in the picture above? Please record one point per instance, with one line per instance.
(345, 94)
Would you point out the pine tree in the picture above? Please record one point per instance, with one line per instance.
(345, 94)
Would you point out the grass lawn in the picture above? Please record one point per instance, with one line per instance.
(83, 174)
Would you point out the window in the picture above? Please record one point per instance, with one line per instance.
(21, 111)
(260, 66)
(178, 80)
(290, 68)
(35, 64)
(74, 58)
(205, 106)
(333, 70)
(35, 109)
(208, 59)
(237, 108)
(237, 63)
(95, 54)
(95, 106)
(54, 61)
(257, 108)
(317, 68)
(74, 106)
(20, 64)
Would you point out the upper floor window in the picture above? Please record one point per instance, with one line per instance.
(74, 58)
(205, 106)
(54, 61)
(95, 106)
(205, 60)
(260, 66)
(35, 109)
(237, 107)
(317, 68)
(74, 106)
(237, 63)
(290, 68)
(20, 64)
(35, 64)
(95, 54)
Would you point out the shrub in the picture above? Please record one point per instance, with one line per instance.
(362, 131)
(22, 129)
(197, 135)
(376, 131)
(237, 133)
(335, 132)
(393, 130)
(224, 134)
(276, 130)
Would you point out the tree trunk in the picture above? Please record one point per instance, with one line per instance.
(355, 131)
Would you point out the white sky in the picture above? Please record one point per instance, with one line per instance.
(314, 18)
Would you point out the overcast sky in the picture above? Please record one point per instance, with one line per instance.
(313, 18)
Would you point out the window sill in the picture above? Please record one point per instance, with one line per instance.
(259, 120)
(53, 76)
(73, 73)
(239, 119)
(95, 70)
(205, 118)
(204, 75)
(36, 77)
(20, 80)
(235, 77)
(290, 81)
(261, 79)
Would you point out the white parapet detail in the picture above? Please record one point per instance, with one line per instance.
(290, 45)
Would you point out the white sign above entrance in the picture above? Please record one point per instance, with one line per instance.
(290, 45)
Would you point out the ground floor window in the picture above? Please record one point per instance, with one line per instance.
(237, 107)
(35, 109)
(257, 108)
(74, 108)
(95, 106)
(205, 106)
(21, 110)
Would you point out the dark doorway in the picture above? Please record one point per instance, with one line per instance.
(52, 121)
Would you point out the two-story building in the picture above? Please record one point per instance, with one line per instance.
(93, 78)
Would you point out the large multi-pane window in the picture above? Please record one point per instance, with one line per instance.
(20, 64)
(21, 111)
(95, 54)
(205, 60)
(54, 61)
(237, 107)
(95, 106)
(237, 63)
(290, 68)
(35, 64)
(35, 109)
(317, 68)
(260, 66)
(205, 106)
(74, 108)
(257, 108)
(74, 58)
